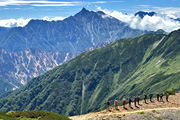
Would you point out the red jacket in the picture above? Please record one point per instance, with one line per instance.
(115, 102)
(124, 102)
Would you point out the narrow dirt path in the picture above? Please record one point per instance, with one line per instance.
(151, 110)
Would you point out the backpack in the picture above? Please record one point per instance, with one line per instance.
(116, 102)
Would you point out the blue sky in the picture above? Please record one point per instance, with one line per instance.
(15, 13)
(40, 8)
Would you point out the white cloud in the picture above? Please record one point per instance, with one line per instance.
(22, 22)
(40, 3)
(53, 19)
(144, 5)
(159, 21)
(62, 4)
(14, 23)
(101, 2)
(172, 12)
(37, 3)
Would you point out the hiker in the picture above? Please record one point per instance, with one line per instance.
(145, 97)
(124, 102)
(138, 99)
(167, 96)
(161, 97)
(150, 96)
(129, 101)
(116, 104)
(157, 95)
(107, 104)
(135, 100)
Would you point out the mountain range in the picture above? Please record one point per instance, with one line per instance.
(125, 68)
(74, 34)
(142, 14)
(29, 51)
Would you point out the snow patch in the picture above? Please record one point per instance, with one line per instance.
(15, 87)
(66, 58)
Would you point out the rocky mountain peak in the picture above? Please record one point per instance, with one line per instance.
(83, 12)
(142, 14)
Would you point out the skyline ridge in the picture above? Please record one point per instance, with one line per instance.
(143, 20)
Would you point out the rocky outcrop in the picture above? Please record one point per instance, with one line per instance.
(19, 67)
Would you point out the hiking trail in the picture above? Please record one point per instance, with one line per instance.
(151, 111)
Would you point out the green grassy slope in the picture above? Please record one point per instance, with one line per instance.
(32, 115)
(128, 67)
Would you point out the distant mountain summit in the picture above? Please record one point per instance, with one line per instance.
(141, 14)
(74, 34)
(83, 12)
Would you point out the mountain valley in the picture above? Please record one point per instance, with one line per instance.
(127, 67)
(54, 43)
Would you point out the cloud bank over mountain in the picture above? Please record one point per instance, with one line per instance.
(14, 22)
(21, 22)
(53, 18)
(167, 19)
(164, 20)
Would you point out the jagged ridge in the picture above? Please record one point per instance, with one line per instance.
(74, 34)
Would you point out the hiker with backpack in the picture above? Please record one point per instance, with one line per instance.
(167, 96)
(129, 101)
(138, 99)
(107, 105)
(116, 104)
(135, 100)
(161, 97)
(157, 95)
(145, 97)
(124, 102)
(150, 96)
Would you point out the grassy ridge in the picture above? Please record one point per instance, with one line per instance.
(32, 115)
(127, 67)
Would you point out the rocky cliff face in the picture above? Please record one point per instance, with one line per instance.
(19, 67)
